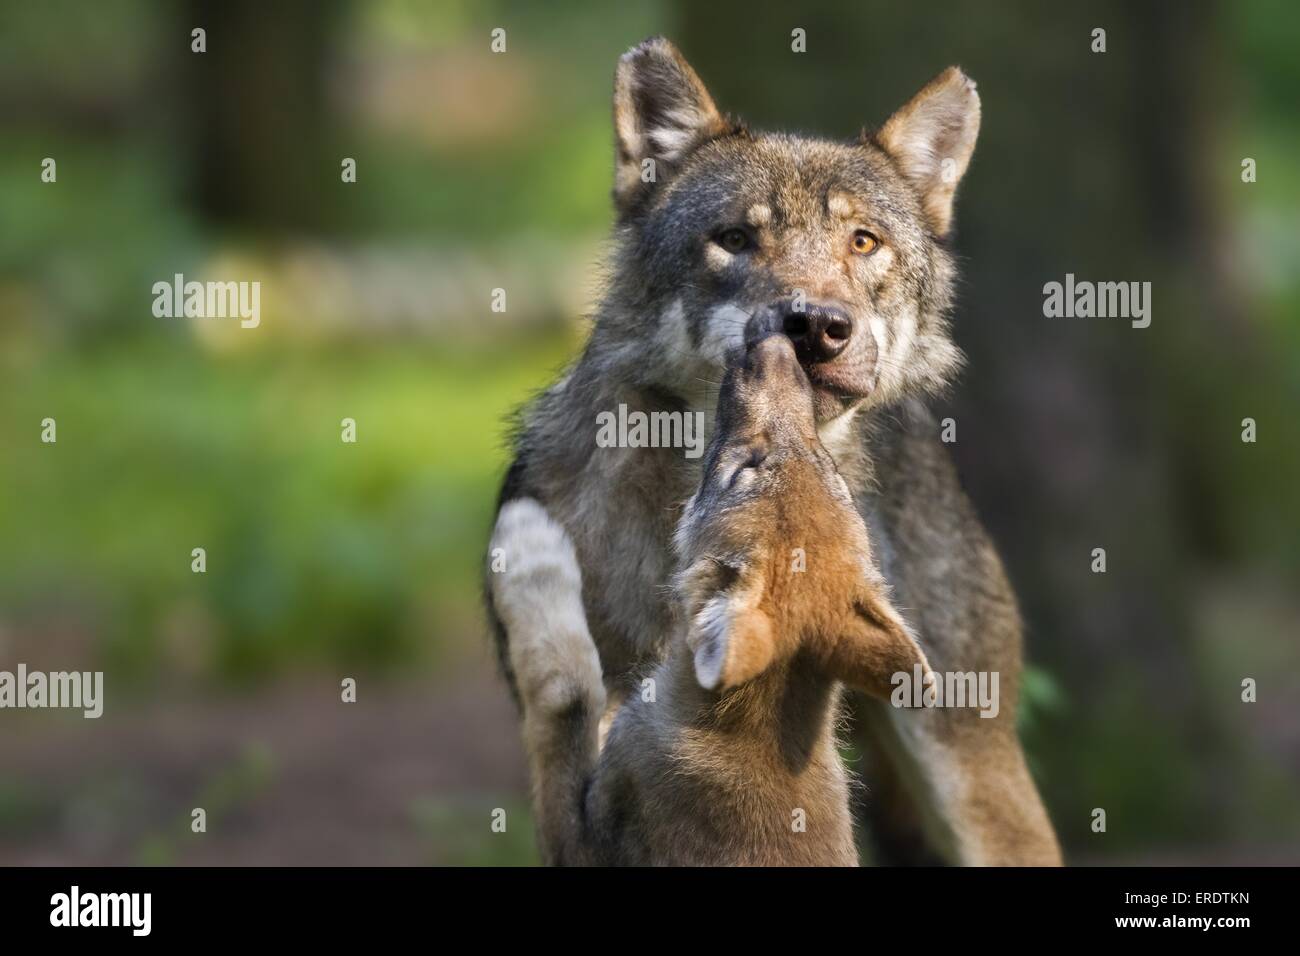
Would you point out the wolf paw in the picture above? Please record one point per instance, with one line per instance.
(538, 594)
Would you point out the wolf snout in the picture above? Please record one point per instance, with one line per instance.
(818, 331)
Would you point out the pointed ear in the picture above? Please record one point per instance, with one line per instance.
(732, 638)
(932, 138)
(876, 644)
(661, 113)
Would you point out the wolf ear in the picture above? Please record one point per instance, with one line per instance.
(875, 644)
(932, 138)
(732, 638)
(661, 112)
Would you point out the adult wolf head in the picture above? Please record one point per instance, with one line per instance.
(725, 233)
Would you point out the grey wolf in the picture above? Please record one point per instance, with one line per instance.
(725, 235)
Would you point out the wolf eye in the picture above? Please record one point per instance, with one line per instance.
(864, 243)
(733, 240)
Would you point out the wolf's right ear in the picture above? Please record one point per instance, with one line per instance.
(661, 112)
(730, 635)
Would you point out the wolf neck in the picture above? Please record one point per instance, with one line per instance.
(785, 716)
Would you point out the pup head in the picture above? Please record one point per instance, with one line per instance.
(776, 557)
(725, 232)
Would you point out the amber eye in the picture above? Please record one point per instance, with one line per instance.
(734, 240)
(864, 243)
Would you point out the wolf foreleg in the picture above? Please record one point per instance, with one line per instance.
(536, 590)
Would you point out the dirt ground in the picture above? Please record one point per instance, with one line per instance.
(413, 773)
(409, 774)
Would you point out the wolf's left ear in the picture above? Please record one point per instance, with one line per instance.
(661, 112)
(932, 138)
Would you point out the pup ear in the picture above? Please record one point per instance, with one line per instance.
(875, 645)
(932, 138)
(732, 638)
(661, 112)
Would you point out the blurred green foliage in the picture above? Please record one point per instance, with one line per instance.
(317, 550)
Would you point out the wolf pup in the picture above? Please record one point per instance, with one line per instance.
(724, 233)
(732, 759)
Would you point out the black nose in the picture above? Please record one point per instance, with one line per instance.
(819, 332)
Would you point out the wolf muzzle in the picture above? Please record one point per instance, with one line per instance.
(819, 331)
